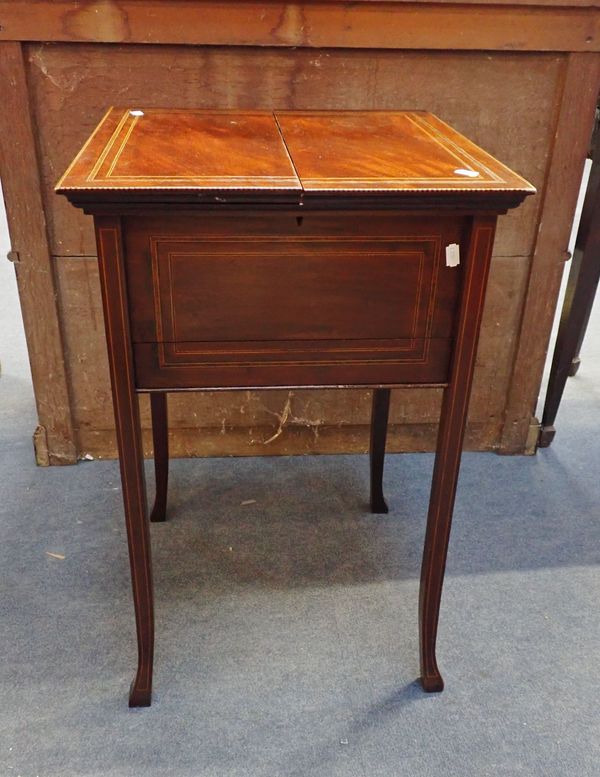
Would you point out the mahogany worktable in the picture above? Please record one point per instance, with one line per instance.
(296, 249)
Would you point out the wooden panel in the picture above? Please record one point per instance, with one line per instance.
(542, 26)
(295, 438)
(422, 361)
(141, 148)
(280, 291)
(71, 87)
(498, 341)
(300, 298)
(580, 92)
(35, 277)
(400, 286)
(389, 151)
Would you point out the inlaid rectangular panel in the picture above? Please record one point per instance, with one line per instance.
(279, 288)
(157, 149)
(164, 366)
(287, 291)
(389, 151)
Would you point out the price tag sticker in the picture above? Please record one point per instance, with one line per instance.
(452, 255)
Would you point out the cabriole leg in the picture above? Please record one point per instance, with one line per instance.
(449, 446)
(379, 423)
(131, 459)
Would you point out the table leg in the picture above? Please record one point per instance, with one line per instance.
(577, 307)
(160, 437)
(129, 438)
(449, 446)
(379, 423)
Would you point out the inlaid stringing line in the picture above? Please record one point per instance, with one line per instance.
(445, 142)
(421, 254)
(105, 151)
(443, 450)
(84, 148)
(122, 146)
(197, 177)
(501, 165)
(114, 234)
(425, 130)
(266, 350)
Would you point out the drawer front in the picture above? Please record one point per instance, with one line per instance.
(281, 299)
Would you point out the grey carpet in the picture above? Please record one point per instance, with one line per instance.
(286, 628)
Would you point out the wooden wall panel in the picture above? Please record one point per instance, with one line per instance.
(577, 108)
(19, 168)
(507, 102)
(542, 25)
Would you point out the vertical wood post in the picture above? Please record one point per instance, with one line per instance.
(577, 105)
(21, 185)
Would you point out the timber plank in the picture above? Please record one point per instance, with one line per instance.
(297, 439)
(542, 26)
(35, 277)
(577, 107)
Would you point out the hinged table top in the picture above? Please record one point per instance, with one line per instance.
(141, 155)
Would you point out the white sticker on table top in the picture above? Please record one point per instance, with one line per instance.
(466, 172)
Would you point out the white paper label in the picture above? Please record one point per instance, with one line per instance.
(452, 255)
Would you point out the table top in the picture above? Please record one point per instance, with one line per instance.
(139, 155)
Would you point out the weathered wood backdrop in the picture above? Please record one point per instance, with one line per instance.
(520, 79)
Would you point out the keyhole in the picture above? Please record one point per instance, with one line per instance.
(299, 220)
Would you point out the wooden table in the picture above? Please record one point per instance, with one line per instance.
(259, 249)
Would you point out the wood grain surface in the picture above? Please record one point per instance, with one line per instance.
(134, 152)
(578, 104)
(389, 151)
(194, 255)
(542, 25)
(142, 148)
(21, 186)
(481, 91)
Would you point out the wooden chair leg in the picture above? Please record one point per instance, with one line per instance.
(449, 447)
(160, 437)
(131, 456)
(379, 423)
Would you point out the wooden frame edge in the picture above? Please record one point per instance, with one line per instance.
(387, 24)
(21, 184)
(577, 106)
